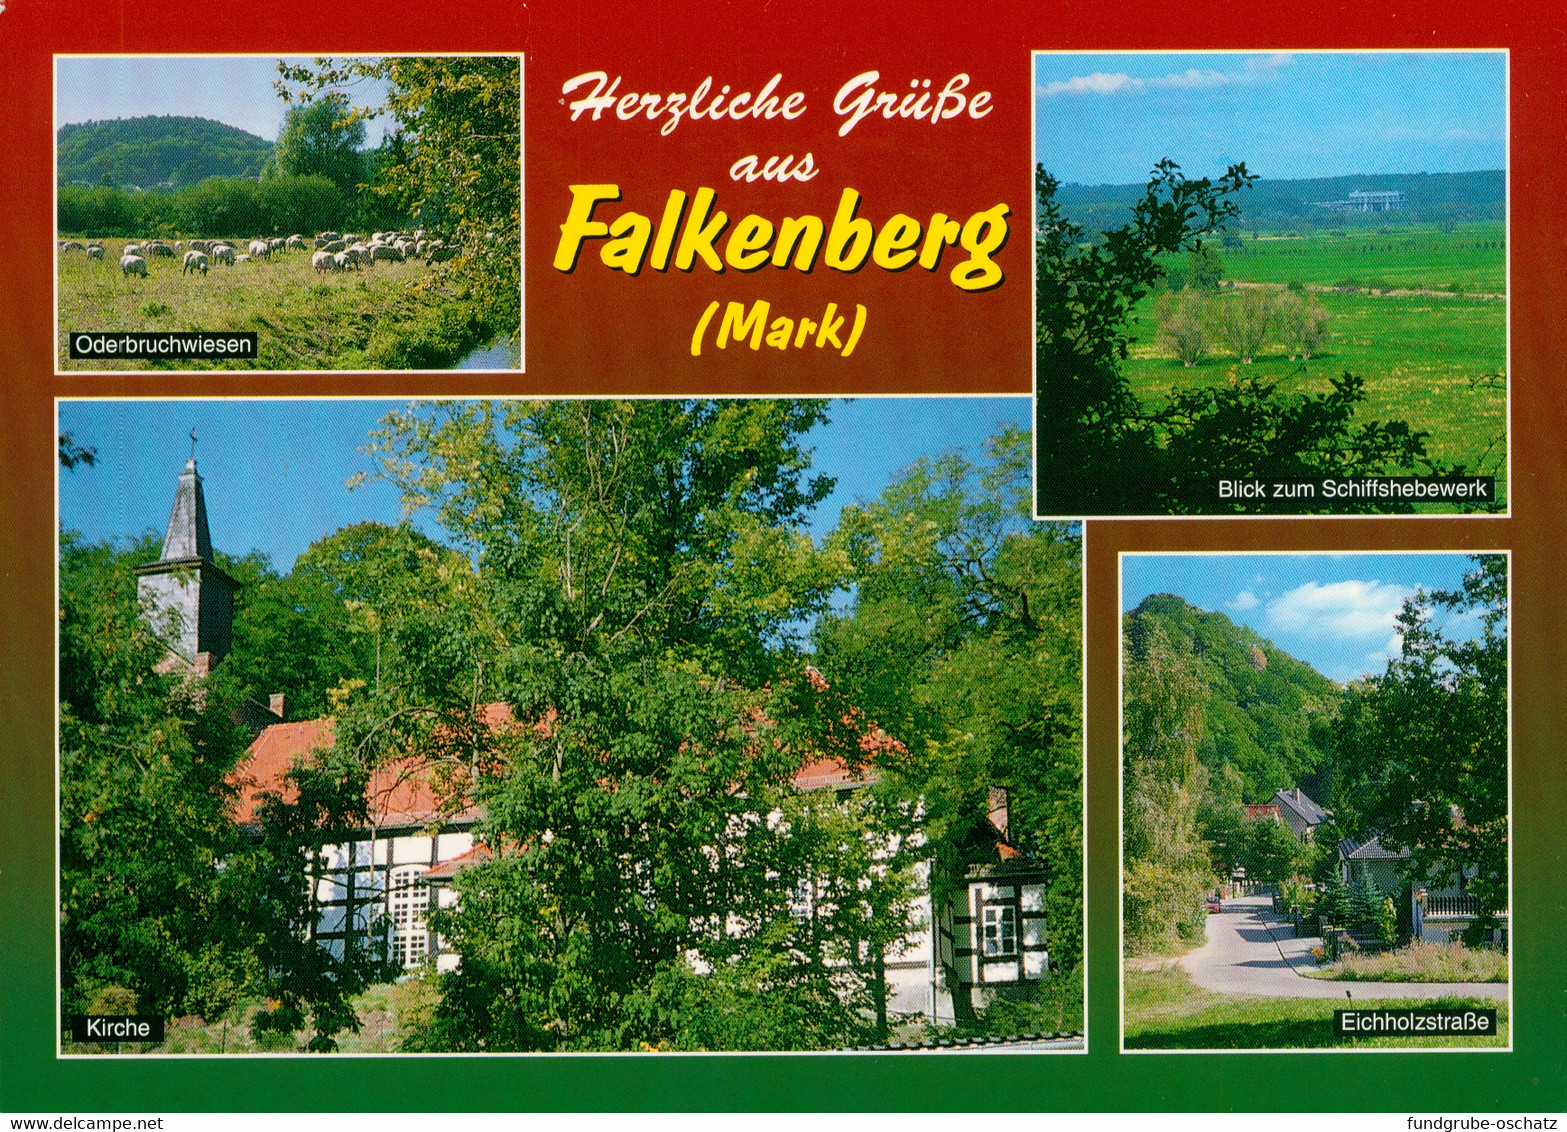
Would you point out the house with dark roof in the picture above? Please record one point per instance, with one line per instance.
(1299, 812)
(1440, 909)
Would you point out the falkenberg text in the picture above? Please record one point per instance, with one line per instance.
(681, 237)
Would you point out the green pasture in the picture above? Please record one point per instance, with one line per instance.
(1435, 362)
(390, 316)
(1163, 1009)
(1467, 257)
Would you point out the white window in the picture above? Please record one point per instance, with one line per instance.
(1000, 930)
(410, 899)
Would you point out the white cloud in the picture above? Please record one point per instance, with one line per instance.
(1096, 83)
(1243, 601)
(1351, 610)
(1254, 70)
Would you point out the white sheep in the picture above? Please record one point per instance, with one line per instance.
(387, 251)
(131, 249)
(222, 253)
(194, 261)
(295, 242)
(334, 246)
(323, 261)
(259, 249)
(95, 252)
(239, 259)
(131, 264)
(346, 260)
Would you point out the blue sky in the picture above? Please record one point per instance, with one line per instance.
(1108, 118)
(1337, 612)
(236, 90)
(275, 471)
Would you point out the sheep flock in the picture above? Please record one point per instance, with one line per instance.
(331, 252)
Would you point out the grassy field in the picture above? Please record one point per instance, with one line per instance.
(1165, 1010)
(1421, 962)
(1436, 361)
(1469, 257)
(391, 316)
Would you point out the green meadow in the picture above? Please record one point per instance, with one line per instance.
(390, 316)
(1436, 358)
(1163, 1009)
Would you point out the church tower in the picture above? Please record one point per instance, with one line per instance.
(190, 598)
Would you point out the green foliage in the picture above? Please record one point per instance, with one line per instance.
(1333, 900)
(1139, 458)
(1257, 718)
(217, 207)
(321, 139)
(1204, 268)
(1168, 868)
(1423, 747)
(145, 903)
(1365, 902)
(454, 162)
(1273, 853)
(964, 642)
(642, 579)
(151, 151)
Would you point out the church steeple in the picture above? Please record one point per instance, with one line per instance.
(189, 598)
(188, 536)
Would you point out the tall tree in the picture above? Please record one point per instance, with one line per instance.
(321, 138)
(1422, 749)
(645, 573)
(1167, 863)
(963, 641)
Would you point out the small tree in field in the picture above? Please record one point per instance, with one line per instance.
(1244, 322)
(1185, 325)
(1303, 324)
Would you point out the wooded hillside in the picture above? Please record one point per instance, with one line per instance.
(152, 151)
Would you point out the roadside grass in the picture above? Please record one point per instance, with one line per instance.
(1436, 363)
(379, 1008)
(390, 316)
(1420, 962)
(1472, 257)
(1163, 1009)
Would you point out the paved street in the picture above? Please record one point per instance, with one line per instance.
(1252, 951)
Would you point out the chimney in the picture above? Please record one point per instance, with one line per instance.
(998, 809)
(275, 704)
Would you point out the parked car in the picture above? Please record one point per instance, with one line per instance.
(1214, 904)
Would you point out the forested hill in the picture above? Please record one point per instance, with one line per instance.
(1270, 205)
(1260, 701)
(148, 152)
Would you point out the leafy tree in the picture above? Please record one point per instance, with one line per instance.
(642, 580)
(1100, 449)
(163, 895)
(963, 642)
(1168, 868)
(1273, 853)
(321, 138)
(1422, 749)
(456, 162)
(145, 827)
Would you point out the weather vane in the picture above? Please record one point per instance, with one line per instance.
(193, 442)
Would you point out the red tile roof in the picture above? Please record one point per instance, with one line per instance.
(402, 793)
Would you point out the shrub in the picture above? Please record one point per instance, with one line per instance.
(1303, 325)
(1185, 325)
(1244, 322)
